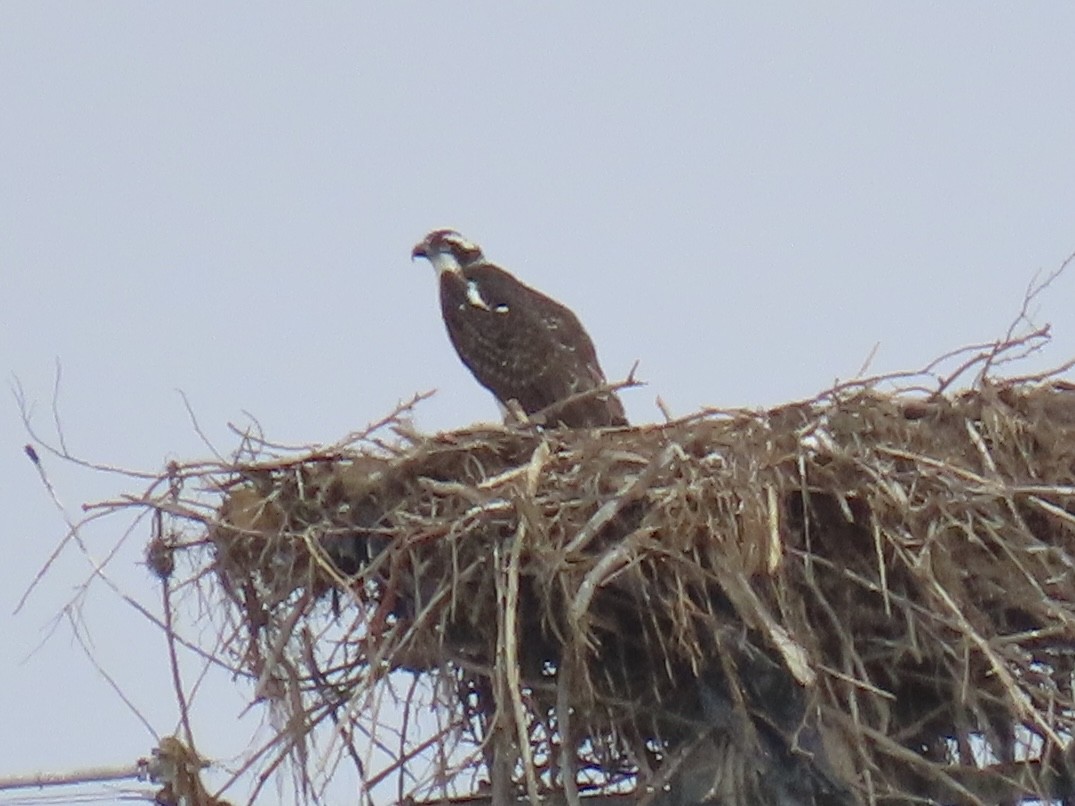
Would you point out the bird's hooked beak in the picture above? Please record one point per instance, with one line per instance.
(437, 253)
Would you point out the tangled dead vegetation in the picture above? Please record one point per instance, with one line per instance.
(868, 597)
(863, 598)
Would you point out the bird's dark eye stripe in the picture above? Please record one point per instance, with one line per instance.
(461, 247)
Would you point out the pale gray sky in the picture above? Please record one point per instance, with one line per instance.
(222, 200)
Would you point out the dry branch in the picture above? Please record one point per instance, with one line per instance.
(866, 597)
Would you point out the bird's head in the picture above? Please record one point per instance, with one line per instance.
(447, 250)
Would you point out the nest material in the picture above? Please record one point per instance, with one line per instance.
(864, 598)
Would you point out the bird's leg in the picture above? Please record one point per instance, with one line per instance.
(514, 414)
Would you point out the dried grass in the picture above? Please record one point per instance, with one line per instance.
(865, 597)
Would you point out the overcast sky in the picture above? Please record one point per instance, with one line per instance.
(222, 200)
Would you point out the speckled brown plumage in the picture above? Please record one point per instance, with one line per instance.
(519, 343)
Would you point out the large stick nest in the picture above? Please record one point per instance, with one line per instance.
(862, 598)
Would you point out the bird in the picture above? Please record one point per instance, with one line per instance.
(520, 344)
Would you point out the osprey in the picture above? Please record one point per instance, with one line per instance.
(520, 344)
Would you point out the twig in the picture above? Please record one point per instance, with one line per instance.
(109, 679)
(630, 492)
(197, 426)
